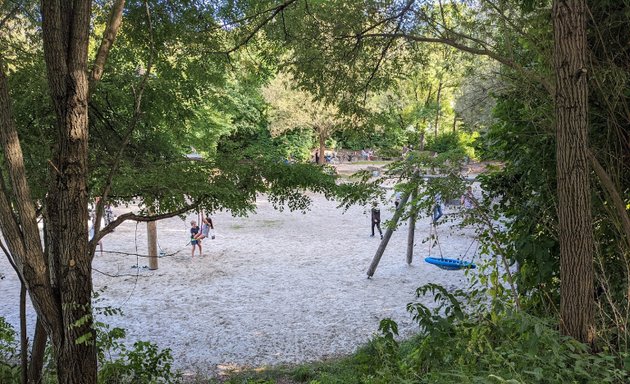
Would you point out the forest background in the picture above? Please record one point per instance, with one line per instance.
(106, 98)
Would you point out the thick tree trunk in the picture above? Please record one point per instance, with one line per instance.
(574, 197)
(59, 281)
(66, 33)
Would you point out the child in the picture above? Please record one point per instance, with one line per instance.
(376, 219)
(194, 230)
(205, 230)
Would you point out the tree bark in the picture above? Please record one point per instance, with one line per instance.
(66, 35)
(574, 195)
(23, 334)
(322, 145)
(437, 112)
(37, 354)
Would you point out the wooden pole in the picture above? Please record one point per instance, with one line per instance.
(387, 236)
(412, 229)
(152, 244)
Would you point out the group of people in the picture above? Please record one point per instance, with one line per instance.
(467, 200)
(197, 234)
(367, 154)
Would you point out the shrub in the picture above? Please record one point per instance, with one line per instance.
(489, 346)
(9, 361)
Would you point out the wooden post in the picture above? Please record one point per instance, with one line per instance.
(387, 236)
(412, 229)
(152, 244)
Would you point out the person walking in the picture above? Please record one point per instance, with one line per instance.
(376, 219)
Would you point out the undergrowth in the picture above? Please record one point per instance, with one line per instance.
(482, 345)
(474, 343)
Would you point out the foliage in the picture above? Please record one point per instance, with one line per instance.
(119, 364)
(9, 361)
(458, 142)
(486, 345)
(461, 340)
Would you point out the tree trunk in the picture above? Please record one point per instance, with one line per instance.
(437, 113)
(322, 146)
(23, 334)
(37, 355)
(454, 123)
(574, 197)
(59, 278)
(66, 35)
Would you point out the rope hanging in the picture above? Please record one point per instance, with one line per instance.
(446, 263)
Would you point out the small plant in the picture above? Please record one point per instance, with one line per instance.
(9, 362)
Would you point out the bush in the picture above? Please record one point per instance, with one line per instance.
(489, 346)
(9, 359)
(461, 143)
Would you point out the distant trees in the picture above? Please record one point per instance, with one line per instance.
(293, 108)
(348, 48)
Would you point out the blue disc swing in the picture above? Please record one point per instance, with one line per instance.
(443, 262)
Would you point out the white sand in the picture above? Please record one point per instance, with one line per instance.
(273, 288)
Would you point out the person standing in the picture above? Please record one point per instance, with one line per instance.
(376, 219)
(194, 230)
(467, 199)
(397, 199)
(437, 208)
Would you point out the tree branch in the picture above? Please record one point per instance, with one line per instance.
(614, 195)
(9, 16)
(109, 36)
(137, 112)
(476, 51)
(140, 218)
(274, 13)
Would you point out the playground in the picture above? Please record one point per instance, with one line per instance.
(272, 288)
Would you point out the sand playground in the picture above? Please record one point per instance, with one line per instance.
(273, 288)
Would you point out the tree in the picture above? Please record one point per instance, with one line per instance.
(573, 170)
(58, 278)
(292, 108)
(129, 150)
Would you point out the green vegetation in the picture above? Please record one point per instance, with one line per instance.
(253, 87)
(456, 345)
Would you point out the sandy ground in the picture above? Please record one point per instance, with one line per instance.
(273, 288)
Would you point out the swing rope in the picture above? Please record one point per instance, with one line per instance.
(433, 234)
(444, 263)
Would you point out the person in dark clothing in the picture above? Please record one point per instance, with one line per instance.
(376, 219)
